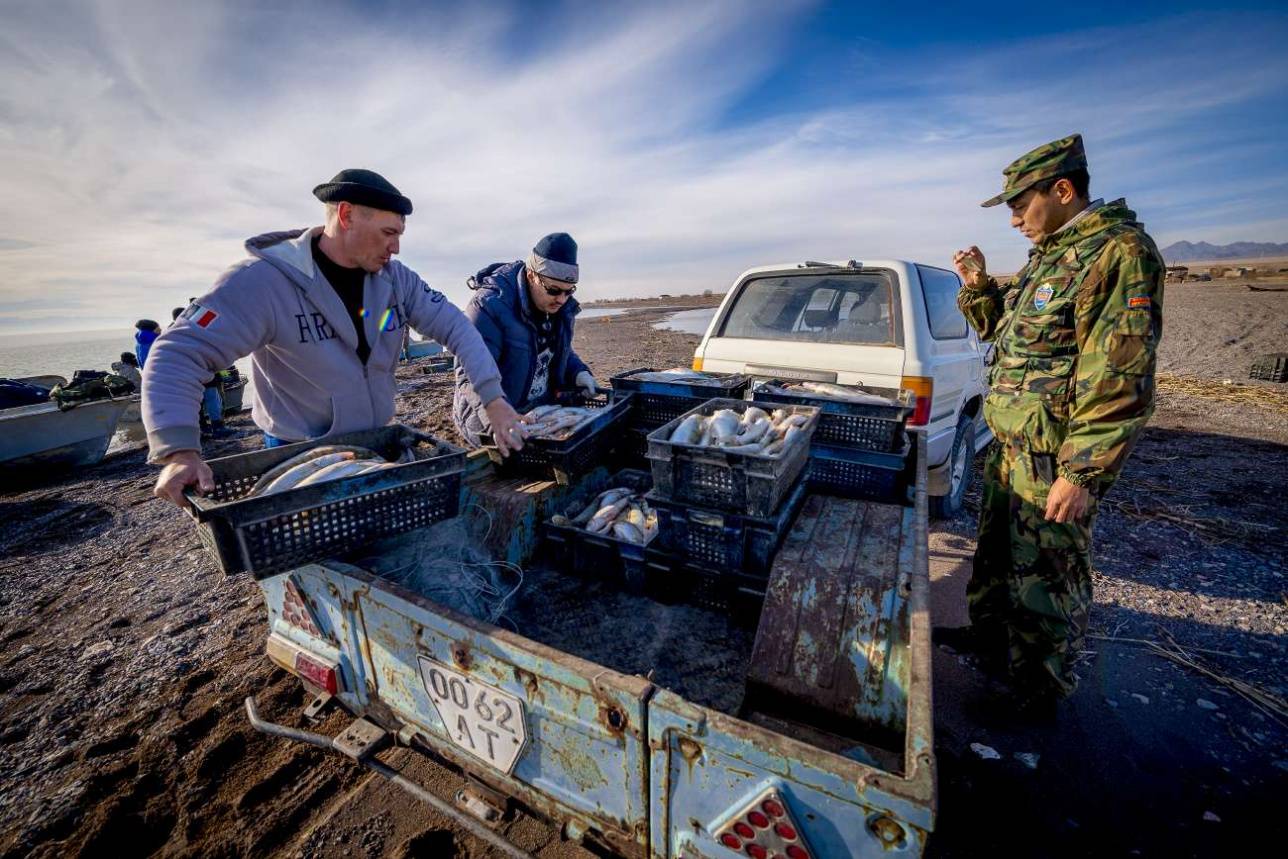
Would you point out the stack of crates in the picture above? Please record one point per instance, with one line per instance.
(860, 449)
(722, 515)
(654, 403)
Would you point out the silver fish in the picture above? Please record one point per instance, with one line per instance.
(689, 430)
(335, 472)
(841, 392)
(724, 425)
(755, 431)
(312, 453)
(628, 532)
(295, 476)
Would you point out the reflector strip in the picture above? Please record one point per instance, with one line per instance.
(296, 611)
(764, 829)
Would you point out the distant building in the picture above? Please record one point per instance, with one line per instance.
(1177, 273)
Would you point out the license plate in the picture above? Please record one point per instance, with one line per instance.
(480, 720)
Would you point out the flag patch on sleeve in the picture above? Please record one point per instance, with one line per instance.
(1138, 302)
(202, 317)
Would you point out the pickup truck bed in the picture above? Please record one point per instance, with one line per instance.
(637, 733)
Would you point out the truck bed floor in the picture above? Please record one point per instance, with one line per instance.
(699, 654)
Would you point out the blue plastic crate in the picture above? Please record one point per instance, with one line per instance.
(854, 473)
(657, 403)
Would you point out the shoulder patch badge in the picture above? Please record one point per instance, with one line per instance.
(1138, 302)
(202, 317)
(1042, 296)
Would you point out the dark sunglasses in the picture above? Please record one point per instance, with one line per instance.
(554, 291)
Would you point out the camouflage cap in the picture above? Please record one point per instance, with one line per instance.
(1046, 162)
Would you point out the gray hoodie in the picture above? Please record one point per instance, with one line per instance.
(279, 309)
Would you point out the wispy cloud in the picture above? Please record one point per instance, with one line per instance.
(141, 143)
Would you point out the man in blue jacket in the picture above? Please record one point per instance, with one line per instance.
(525, 312)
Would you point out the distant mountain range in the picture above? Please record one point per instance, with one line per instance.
(1189, 251)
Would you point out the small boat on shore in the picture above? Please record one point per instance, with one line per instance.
(422, 348)
(43, 435)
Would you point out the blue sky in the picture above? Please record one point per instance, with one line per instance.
(141, 143)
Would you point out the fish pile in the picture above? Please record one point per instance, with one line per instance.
(676, 374)
(556, 422)
(754, 431)
(621, 512)
(832, 392)
(320, 464)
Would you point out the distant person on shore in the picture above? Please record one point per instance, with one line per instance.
(321, 313)
(128, 368)
(146, 331)
(1075, 333)
(525, 312)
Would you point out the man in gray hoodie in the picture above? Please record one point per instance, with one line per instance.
(321, 312)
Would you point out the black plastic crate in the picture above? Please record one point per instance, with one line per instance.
(725, 541)
(268, 534)
(632, 447)
(656, 403)
(564, 459)
(853, 473)
(601, 556)
(1270, 368)
(868, 426)
(748, 483)
(739, 596)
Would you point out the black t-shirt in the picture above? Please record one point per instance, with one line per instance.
(347, 283)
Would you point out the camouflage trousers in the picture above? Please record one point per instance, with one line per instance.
(1030, 589)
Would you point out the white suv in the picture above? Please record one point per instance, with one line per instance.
(882, 323)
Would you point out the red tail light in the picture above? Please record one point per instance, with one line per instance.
(316, 672)
(923, 387)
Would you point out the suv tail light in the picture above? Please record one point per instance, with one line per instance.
(697, 363)
(924, 388)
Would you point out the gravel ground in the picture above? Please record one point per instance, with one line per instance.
(125, 655)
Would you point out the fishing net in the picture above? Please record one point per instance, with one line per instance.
(447, 563)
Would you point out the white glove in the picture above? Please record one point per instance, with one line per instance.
(586, 382)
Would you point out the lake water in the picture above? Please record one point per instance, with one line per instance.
(688, 321)
(596, 312)
(63, 354)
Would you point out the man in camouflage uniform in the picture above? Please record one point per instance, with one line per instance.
(1072, 384)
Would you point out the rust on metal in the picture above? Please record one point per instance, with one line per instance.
(888, 833)
(530, 685)
(461, 655)
(612, 718)
(690, 751)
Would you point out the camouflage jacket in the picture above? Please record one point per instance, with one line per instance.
(1076, 331)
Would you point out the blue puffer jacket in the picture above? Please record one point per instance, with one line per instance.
(498, 311)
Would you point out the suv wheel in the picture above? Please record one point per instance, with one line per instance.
(960, 472)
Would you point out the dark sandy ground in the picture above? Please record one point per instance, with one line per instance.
(125, 655)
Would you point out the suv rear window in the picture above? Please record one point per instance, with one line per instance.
(817, 308)
(940, 287)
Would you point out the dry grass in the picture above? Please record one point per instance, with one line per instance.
(1264, 700)
(1230, 392)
